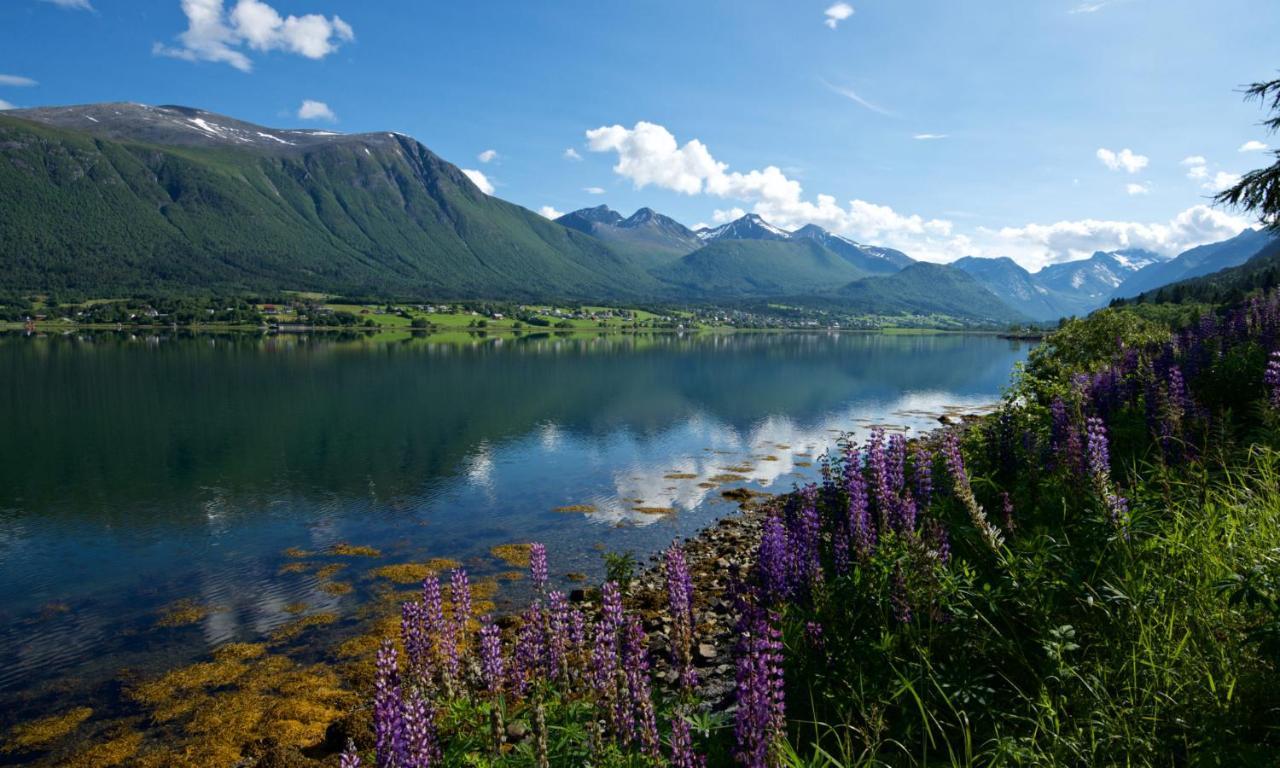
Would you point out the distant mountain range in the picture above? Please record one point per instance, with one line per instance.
(124, 199)
(1079, 287)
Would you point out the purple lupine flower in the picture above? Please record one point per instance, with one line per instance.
(460, 596)
(577, 631)
(557, 636)
(906, 520)
(490, 655)
(922, 476)
(682, 754)
(640, 695)
(954, 459)
(446, 646)
(611, 605)
(774, 560)
(422, 748)
(388, 715)
(896, 463)
(1099, 455)
(878, 464)
(417, 644)
(680, 605)
(538, 566)
(529, 659)
(1272, 378)
(604, 667)
(1100, 469)
(805, 536)
(349, 758)
(439, 636)
(861, 528)
(759, 720)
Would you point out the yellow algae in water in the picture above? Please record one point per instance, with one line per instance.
(327, 572)
(585, 509)
(336, 588)
(720, 479)
(108, 754)
(298, 567)
(276, 699)
(295, 608)
(679, 476)
(412, 573)
(182, 613)
(739, 469)
(352, 550)
(296, 627)
(484, 589)
(38, 733)
(239, 651)
(516, 555)
(296, 552)
(655, 510)
(511, 575)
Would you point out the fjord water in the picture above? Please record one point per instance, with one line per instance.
(141, 470)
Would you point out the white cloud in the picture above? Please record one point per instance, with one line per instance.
(1253, 146)
(649, 155)
(549, 212)
(487, 156)
(6, 105)
(17, 81)
(572, 154)
(1036, 245)
(929, 136)
(212, 34)
(836, 14)
(1220, 181)
(76, 5)
(853, 96)
(1090, 7)
(316, 110)
(593, 190)
(724, 217)
(1138, 189)
(479, 179)
(1125, 159)
(1196, 167)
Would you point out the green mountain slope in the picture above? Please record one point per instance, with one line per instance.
(923, 289)
(754, 268)
(102, 214)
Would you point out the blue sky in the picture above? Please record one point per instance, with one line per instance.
(801, 111)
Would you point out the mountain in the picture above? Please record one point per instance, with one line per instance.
(1202, 260)
(868, 258)
(1014, 285)
(1261, 271)
(115, 199)
(758, 267)
(749, 227)
(1091, 281)
(588, 219)
(923, 289)
(649, 237)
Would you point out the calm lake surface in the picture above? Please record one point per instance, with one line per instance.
(137, 471)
